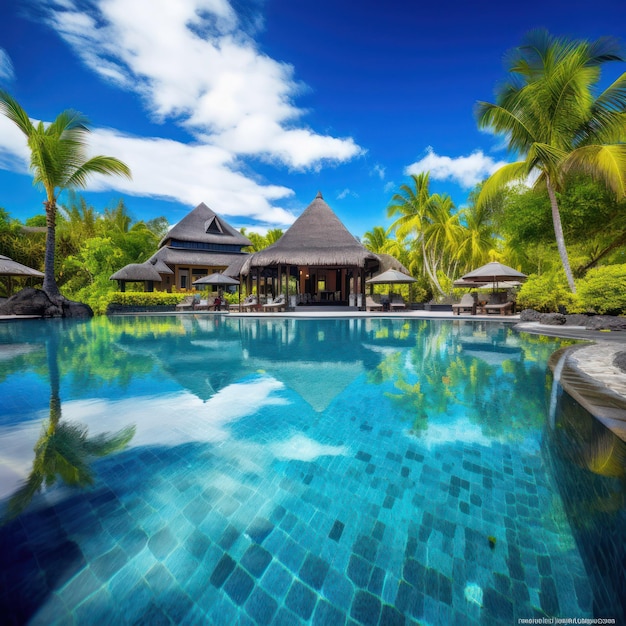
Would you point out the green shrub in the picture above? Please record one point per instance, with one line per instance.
(547, 293)
(147, 298)
(603, 290)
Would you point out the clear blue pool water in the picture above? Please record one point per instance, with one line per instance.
(207, 469)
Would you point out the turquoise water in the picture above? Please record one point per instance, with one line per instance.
(207, 469)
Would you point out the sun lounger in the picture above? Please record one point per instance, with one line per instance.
(251, 303)
(397, 302)
(186, 304)
(276, 305)
(466, 305)
(372, 305)
(504, 308)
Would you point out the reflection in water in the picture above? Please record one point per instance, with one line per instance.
(465, 368)
(269, 432)
(63, 449)
(589, 463)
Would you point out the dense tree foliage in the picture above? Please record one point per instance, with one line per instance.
(553, 120)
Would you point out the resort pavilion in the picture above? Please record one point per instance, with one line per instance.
(326, 264)
(200, 244)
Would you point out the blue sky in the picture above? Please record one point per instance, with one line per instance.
(252, 106)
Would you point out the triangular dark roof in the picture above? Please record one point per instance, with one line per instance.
(203, 225)
(317, 237)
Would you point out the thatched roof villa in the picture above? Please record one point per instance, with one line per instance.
(326, 264)
(200, 244)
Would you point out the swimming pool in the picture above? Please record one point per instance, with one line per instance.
(278, 471)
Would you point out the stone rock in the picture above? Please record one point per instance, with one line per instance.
(591, 322)
(31, 301)
(606, 322)
(577, 319)
(529, 315)
(552, 319)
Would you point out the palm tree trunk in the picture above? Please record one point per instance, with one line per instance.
(49, 283)
(560, 239)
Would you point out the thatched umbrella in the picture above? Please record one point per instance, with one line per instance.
(9, 267)
(494, 272)
(216, 279)
(137, 272)
(391, 277)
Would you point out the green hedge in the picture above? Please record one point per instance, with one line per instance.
(140, 298)
(603, 290)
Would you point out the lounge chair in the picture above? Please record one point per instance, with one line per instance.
(187, 303)
(397, 302)
(502, 308)
(250, 303)
(466, 305)
(204, 304)
(276, 305)
(372, 305)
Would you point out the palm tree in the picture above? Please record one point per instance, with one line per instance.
(58, 161)
(477, 240)
(551, 118)
(377, 240)
(414, 205)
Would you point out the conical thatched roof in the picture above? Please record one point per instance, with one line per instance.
(317, 237)
(137, 272)
(202, 225)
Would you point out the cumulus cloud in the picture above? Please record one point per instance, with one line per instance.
(466, 171)
(168, 169)
(6, 67)
(191, 61)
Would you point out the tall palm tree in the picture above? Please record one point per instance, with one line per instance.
(555, 123)
(415, 207)
(58, 160)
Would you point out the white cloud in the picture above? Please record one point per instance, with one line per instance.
(466, 171)
(6, 67)
(389, 187)
(168, 169)
(378, 170)
(191, 61)
(342, 195)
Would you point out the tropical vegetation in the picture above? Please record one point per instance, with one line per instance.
(58, 160)
(558, 213)
(552, 119)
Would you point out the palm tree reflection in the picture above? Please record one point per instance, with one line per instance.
(63, 449)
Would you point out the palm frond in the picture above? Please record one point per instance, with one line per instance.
(603, 162)
(499, 179)
(97, 165)
(10, 107)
